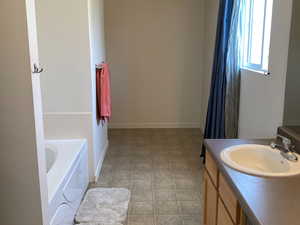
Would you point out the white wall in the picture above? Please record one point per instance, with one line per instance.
(69, 32)
(262, 98)
(97, 46)
(38, 108)
(20, 188)
(292, 93)
(155, 49)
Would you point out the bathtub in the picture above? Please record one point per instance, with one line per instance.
(67, 178)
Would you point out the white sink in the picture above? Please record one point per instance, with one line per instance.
(259, 160)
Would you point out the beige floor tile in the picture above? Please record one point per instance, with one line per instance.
(162, 173)
(140, 220)
(141, 208)
(182, 174)
(140, 195)
(164, 183)
(169, 220)
(142, 174)
(190, 207)
(122, 165)
(106, 172)
(162, 169)
(145, 165)
(165, 195)
(187, 183)
(192, 220)
(188, 195)
(180, 164)
(167, 208)
(141, 184)
(161, 164)
(121, 183)
(104, 181)
(122, 174)
(107, 165)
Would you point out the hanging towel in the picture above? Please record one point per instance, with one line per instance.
(103, 93)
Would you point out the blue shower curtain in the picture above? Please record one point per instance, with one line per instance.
(233, 68)
(224, 93)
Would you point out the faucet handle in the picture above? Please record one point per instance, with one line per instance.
(273, 145)
(287, 143)
(285, 140)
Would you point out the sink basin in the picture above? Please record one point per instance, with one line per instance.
(259, 160)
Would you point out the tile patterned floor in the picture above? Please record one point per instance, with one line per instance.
(162, 169)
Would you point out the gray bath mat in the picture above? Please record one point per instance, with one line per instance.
(104, 206)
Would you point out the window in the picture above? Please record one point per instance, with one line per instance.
(257, 34)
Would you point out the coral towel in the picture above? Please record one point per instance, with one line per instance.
(103, 93)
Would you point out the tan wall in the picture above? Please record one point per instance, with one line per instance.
(211, 20)
(155, 49)
(64, 53)
(20, 189)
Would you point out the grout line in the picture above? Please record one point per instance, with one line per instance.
(154, 203)
(177, 201)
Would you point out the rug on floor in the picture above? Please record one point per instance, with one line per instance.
(104, 206)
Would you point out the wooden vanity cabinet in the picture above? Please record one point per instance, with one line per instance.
(223, 217)
(221, 206)
(210, 201)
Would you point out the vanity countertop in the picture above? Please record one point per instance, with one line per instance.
(267, 201)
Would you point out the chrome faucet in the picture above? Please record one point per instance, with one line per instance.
(287, 149)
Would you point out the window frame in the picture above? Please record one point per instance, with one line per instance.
(248, 40)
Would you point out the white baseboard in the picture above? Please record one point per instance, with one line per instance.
(155, 125)
(99, 166)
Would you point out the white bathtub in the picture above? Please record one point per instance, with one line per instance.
(67, 178)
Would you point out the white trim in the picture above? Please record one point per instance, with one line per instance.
(261, 72)
(99, 166)
(67, 114)
(156, 125)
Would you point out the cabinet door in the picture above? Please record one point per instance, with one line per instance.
(223, 216)
(212, 169)
(210, 201)
(229, 199)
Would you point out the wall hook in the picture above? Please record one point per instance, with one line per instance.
(36, 69)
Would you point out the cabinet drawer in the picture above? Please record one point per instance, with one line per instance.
(212, 168)
(229, 199)
(223, 216)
